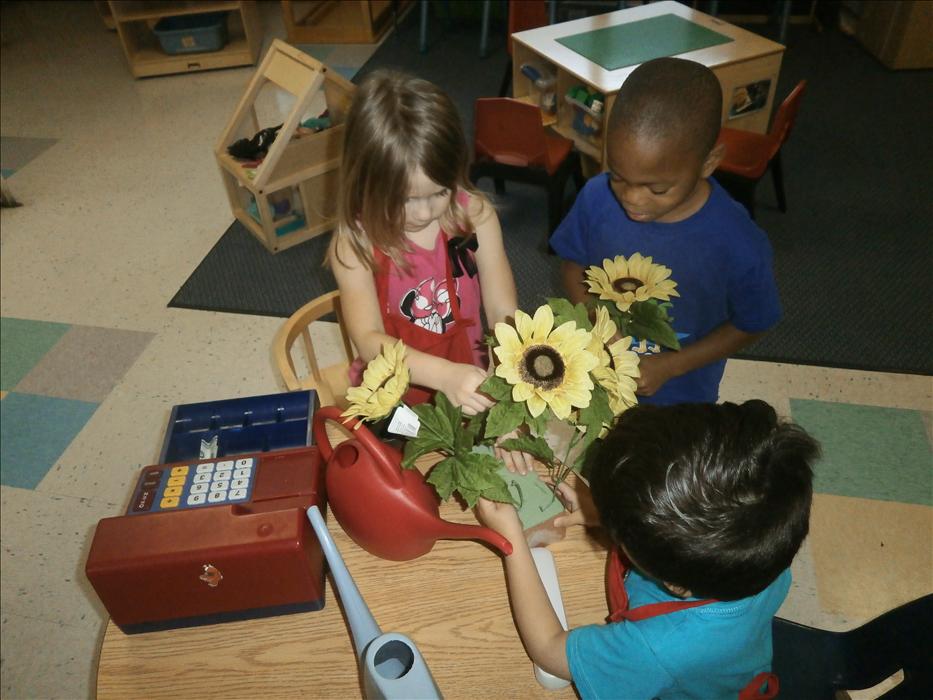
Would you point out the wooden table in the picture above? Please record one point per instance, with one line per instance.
(452, 602)
(747, 59)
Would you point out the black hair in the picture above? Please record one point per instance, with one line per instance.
(714, 498)
(670, 99)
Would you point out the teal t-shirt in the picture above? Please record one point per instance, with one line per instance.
(703, 653)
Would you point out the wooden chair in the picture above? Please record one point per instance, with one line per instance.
(749, 155)
(330, 382)
(511, 143)
(818, 664)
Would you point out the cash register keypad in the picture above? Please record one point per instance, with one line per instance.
(167, 488)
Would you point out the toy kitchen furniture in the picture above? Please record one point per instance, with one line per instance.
(595, 55)
(207, 541)
(287, 193)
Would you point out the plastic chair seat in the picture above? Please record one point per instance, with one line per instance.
(511, 143)
(747, 154)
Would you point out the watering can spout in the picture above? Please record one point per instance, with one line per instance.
(455, 531)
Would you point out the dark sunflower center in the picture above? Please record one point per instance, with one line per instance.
(543, 367)
(627, 284)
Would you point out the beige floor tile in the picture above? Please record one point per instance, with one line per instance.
(45, 544)
(43, 659)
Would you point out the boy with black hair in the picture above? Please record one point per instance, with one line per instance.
(706, 506)
(659, 199)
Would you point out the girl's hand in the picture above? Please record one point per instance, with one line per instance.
(579, 501)
(520, 462)
(501, 517)
(459, 385)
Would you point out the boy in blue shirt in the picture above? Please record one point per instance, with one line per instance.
(706, 506)
(658, 199)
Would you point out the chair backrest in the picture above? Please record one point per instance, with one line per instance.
(786, 115)
(525, 14)
(815, 664)
(298, 326)
(509, 131)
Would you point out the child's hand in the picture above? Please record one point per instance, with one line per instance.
(460, 384)
(655, 371)
(520, 462)
(579, 501)
(501, 517)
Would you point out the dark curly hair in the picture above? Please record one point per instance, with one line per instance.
(714, 498)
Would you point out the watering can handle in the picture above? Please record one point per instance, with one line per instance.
(361, 434)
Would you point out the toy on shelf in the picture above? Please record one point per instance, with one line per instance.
(392, 667)
(543, 80)
(297, 161)
(588, 110)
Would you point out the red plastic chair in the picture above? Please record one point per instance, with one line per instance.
(511, 143)
(748, 155)
(523, 14)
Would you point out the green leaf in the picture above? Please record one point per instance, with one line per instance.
(496, 387)
(538, 426)
(442, 478)
(417, 447)
(499, 492)
(650, 321)
(504, 417)
(453, 415)
(565, 311)
(532, 444)
(435, 424)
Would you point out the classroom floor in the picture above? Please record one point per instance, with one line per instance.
(122, 199)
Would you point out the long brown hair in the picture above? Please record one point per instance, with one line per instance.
(395, 124)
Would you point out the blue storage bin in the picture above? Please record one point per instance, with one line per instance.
(244, 425)
(192, 33)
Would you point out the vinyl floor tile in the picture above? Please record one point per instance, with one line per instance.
(869, 556)
(34, 432)
(17, 151)
(85, 364)
(22, 345)
(869, 451)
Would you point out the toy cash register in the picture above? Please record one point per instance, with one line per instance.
(212, 540)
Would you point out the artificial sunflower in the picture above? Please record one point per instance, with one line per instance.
(618, 364)
(546, 366)
(385, 381)
(626, 281)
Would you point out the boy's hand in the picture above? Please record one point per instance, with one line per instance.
(501, 517)
(655, 371)
(459, 385)
(579, 502)
(514, 461)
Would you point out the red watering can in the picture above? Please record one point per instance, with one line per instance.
(390, 512)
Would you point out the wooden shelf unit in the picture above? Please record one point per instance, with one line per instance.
(339, 21)
(135, 19)
(300, 169)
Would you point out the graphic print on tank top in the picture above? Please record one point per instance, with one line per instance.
(428, 306)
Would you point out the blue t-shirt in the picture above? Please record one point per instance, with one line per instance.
(720, 259)
(703, 653)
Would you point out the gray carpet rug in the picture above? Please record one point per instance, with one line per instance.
(853, 253)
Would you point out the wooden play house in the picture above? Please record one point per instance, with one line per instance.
(289, 195)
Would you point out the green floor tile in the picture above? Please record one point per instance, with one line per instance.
(22, 344)
(868, 451)
(34, 432)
